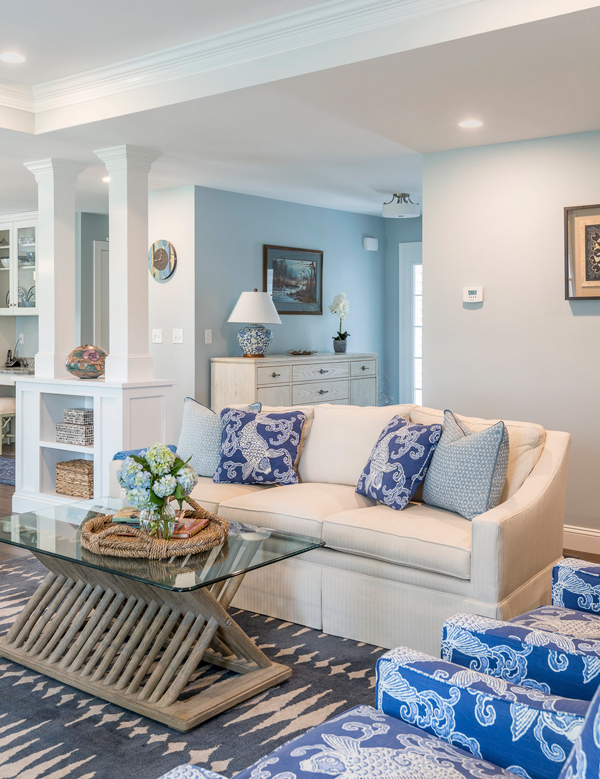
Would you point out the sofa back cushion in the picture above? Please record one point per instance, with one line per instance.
(341, 440)
(525, 440)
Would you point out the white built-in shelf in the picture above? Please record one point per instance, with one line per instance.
(68, 447)
(63, 498)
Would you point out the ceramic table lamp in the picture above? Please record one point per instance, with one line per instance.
(255, 307)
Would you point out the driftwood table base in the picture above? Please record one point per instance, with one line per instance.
(137, 645)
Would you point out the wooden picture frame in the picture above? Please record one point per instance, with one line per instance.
(582, 252)
(294, 279)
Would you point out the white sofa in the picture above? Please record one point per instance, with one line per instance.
(391, 577)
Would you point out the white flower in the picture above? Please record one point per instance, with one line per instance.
(340, 305)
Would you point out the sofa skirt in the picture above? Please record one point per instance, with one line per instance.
(325, 591)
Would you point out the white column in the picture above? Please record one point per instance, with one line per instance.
(128, 168)
(55, 277)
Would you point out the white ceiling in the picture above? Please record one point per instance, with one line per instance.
(64, 37)
(348, 136)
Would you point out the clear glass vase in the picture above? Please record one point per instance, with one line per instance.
(159, 521)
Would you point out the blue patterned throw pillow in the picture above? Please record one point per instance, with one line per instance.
(259, 448)
(468, 470)
(200, 439)
(398, 462)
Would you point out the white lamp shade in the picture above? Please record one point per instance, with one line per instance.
(255, 307)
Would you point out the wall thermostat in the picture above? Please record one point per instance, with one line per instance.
(472, 294)
(371, 244)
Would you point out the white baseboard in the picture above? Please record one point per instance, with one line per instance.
(582, 539)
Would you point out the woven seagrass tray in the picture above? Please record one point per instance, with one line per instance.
(99, 535)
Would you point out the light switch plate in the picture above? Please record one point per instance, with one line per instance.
(208, 336)
(177, 336)
(157, 336)
(472, 294)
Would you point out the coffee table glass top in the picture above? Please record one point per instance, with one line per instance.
(55, 531)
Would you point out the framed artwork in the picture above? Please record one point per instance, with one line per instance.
(294, 279)
(582, 253)
(162, 260)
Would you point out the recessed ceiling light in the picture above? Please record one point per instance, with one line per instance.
(12, 56)
(106, 178)
(469, 123)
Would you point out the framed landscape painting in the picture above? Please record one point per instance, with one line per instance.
(294, 279)
(582, 253)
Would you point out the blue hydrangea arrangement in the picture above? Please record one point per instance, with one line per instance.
(151, 478)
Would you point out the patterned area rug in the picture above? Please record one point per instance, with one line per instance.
(7, 471)
(51, 731)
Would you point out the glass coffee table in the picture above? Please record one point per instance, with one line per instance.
(134, 632)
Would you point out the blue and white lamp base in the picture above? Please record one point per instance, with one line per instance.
(254, 340)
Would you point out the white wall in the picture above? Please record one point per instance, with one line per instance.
(494, 217)
(171, 216)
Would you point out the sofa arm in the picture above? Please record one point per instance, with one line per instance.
(524, 535)
(576, 585)
(114, 488)
(191, 772)
(517, 728)
(550, 662)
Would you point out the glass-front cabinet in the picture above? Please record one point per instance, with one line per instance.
(18, 264)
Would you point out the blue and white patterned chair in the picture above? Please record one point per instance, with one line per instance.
(435, 720)
(555, 649)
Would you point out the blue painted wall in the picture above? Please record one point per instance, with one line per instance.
(230, 232)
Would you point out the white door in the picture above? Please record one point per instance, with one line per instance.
(410, 296)
(101, 303)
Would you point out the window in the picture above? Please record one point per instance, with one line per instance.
(417, 333)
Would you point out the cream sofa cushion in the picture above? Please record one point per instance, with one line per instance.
(210, 495)
(525, 440)
(294, 508)
(341, 440)
(419, 536)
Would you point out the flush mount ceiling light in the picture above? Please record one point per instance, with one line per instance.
(402, 207)
(12, 56)
(106, 178)
(470, 123)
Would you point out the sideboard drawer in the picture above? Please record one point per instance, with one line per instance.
(274, 396)
(320, 392)
(363, 368)
(324, 370)
(273, 375)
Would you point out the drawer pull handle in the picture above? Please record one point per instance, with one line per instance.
(323, 371)
(323, 392)
(275, 375)
(364, 368)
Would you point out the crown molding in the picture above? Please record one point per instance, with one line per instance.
(334, 19)
(127, 157)
(55, 170)
(16, 96)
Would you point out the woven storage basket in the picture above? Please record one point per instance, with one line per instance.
(100, 535)
(75, 478)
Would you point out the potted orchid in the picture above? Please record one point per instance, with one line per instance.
(341, 307)
(150, 480)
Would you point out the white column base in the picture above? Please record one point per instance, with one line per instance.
(50, 366)
(134, 367)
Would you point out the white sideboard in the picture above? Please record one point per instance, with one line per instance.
(284, 380)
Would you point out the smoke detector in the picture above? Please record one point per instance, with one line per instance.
(402, 207)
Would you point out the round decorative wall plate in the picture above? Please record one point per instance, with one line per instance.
(162, 260)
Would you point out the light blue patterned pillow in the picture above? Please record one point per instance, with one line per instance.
(200, 437)
(468, 469)
(399, 461)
